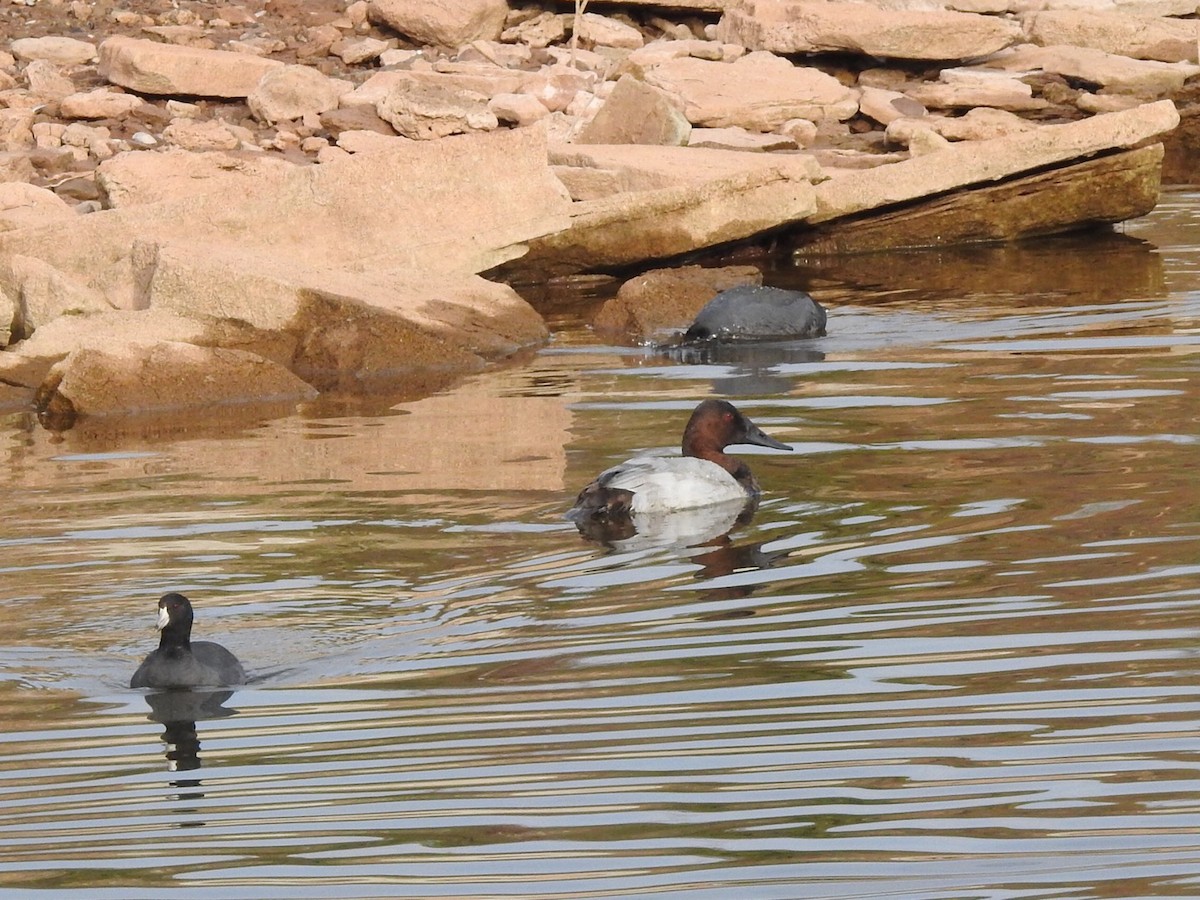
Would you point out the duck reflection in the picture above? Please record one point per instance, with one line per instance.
(703, 535)
(179, 711)
(682, 528)
(751, 363)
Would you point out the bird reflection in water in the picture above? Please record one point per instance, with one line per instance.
(179, 711)
(704, 534)
(751, 364)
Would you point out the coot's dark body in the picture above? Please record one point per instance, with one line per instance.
(752, 312)
(181, 663)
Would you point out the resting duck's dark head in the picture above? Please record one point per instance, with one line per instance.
(716, 424)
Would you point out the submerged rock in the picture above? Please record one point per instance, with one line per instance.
(753, 312)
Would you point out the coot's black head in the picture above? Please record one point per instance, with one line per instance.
(174, 619)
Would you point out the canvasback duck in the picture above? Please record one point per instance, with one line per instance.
(703, 476)
(181, 663)
(751, 312)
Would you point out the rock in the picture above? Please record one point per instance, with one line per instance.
(997, 91)
(149, 67)
(184, 35)
(801, 131)
(758, 92)
(357, 52)
(817, 26)
(98, 104)
(981, 125)
(1069, 197)
(1113, 73)
(79, 190)
(15, 166)
(46, 82)
(350, 328)
(886, 106)
(44, 293)
(596, 30)
(443, 23)
(637, 113)
(260, 46)
(133, 178)
(922, 141)
(1128, 7)
(26, 206)
(367, 141)
(8, 312)
(739, 139)
(292, 92)
(517, 109)
(138, 378)
(1105, 103)
(61, 51)
(92, 139)
(200, 136)
(556, 86)
(629, 228)
(962, 165)
(479, 79)
(596, 171)
(494, 53)
(666, 300)
(541, 31)
(377, 276)
(16, 129)
(27, 363)
(354, 118)
(1139, 36)
(429, 111)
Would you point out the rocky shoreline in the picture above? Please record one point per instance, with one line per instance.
(206, 204)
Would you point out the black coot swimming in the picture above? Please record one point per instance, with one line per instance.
(757, 313)
(180, 662)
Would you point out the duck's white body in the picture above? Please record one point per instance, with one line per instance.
(703, 476)
(664, 483)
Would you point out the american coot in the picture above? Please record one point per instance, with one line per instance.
(180, 662)
(705, 474)
(751, 312)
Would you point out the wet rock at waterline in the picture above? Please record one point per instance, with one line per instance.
(658, 305)
(157, 377)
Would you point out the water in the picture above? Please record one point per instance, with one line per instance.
(953, 655)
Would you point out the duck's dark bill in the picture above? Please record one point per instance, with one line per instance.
(755, 435)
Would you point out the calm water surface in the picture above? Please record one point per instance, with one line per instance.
(956, 653)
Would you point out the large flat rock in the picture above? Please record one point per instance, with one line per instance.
(1100, 191)
(150, 67)
(629, 229)
(1140, 36)
(980, 162)
(758, 92)
(821, 26)
(357, 270)
(602, 170)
